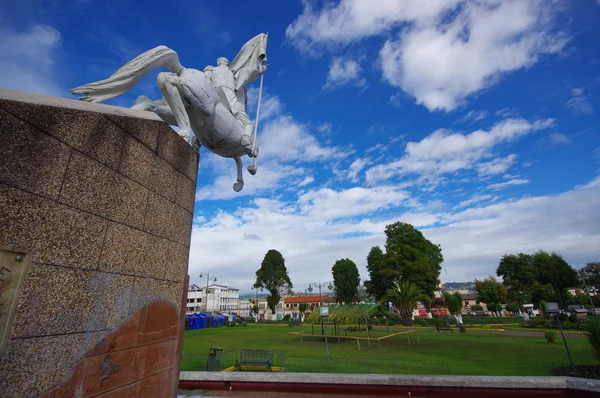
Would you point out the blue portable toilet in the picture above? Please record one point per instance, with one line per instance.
(198, 322)
(208, 321)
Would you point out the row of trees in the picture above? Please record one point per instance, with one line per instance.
(408, 271)
(273, 276)
(408, 257)
(532, 278)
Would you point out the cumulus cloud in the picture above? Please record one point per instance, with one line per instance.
(444, 151)
(284, 144)
(29, 58)
(343, 71)
(579, 102)
(496, 166)
(473, 239)
(439, 52)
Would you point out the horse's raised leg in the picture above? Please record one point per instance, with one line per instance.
(160, 107)
(170, 86)
(237, 187)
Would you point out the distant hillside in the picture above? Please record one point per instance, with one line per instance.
(459, 285)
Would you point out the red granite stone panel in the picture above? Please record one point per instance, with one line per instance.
(104, 372)
(155, 358)
(126, 336)
(128, 391)
(159, 385)
(136, 360)
(161, 323)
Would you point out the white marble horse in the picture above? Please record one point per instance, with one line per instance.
(199, 106)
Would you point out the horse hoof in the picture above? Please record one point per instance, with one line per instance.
(252, 170)
(237, 187)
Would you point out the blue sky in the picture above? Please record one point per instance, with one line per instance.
(476, 121)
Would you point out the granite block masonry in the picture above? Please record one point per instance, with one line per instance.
(103, 208)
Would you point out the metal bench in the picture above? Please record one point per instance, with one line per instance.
(255, 357)
(445, 328)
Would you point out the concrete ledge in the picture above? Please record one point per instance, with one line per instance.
(38, 99)
(475, 382)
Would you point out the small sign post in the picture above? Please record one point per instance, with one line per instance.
(324, 312)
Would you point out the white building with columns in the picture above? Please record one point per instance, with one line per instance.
(220, 298)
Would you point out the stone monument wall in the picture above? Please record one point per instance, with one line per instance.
(100, 201)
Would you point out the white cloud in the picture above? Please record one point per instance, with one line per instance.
(306, 181)
(559, 138)
(509, 183)
(325, 128)
(28, 60)
(355, 168)
(270, 177)
(507, 112)
(496, 166)
(352, 20)
(396, 100)
(442, 65)
(327, 204)
(440, 52)
(377, 147)
(475, 199)
(473, 116)
(287, 140)
(270, 105)
(284, 143)
(472, 240)
(446, 152)
(579, 102)
(343, 71)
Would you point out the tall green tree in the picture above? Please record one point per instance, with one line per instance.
(530, 277)
(345, 281)
(554, 270)
(540, 293)
(273, 276)
(518, 275)
(404, 296)
(491, 292)
(412, 257)
(455, 305)
(377, 284)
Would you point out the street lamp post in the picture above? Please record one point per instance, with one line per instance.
(583, 275)
(320, 285)
(207, 275)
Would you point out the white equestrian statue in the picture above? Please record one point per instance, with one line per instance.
(209, 106)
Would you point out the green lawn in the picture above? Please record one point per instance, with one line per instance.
(436, 353)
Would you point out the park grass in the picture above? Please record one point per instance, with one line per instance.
(460, 353)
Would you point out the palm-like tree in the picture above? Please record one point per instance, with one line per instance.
(302, 307)
(404, 296)
(455, 306)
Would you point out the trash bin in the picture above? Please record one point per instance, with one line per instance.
(214, 359)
